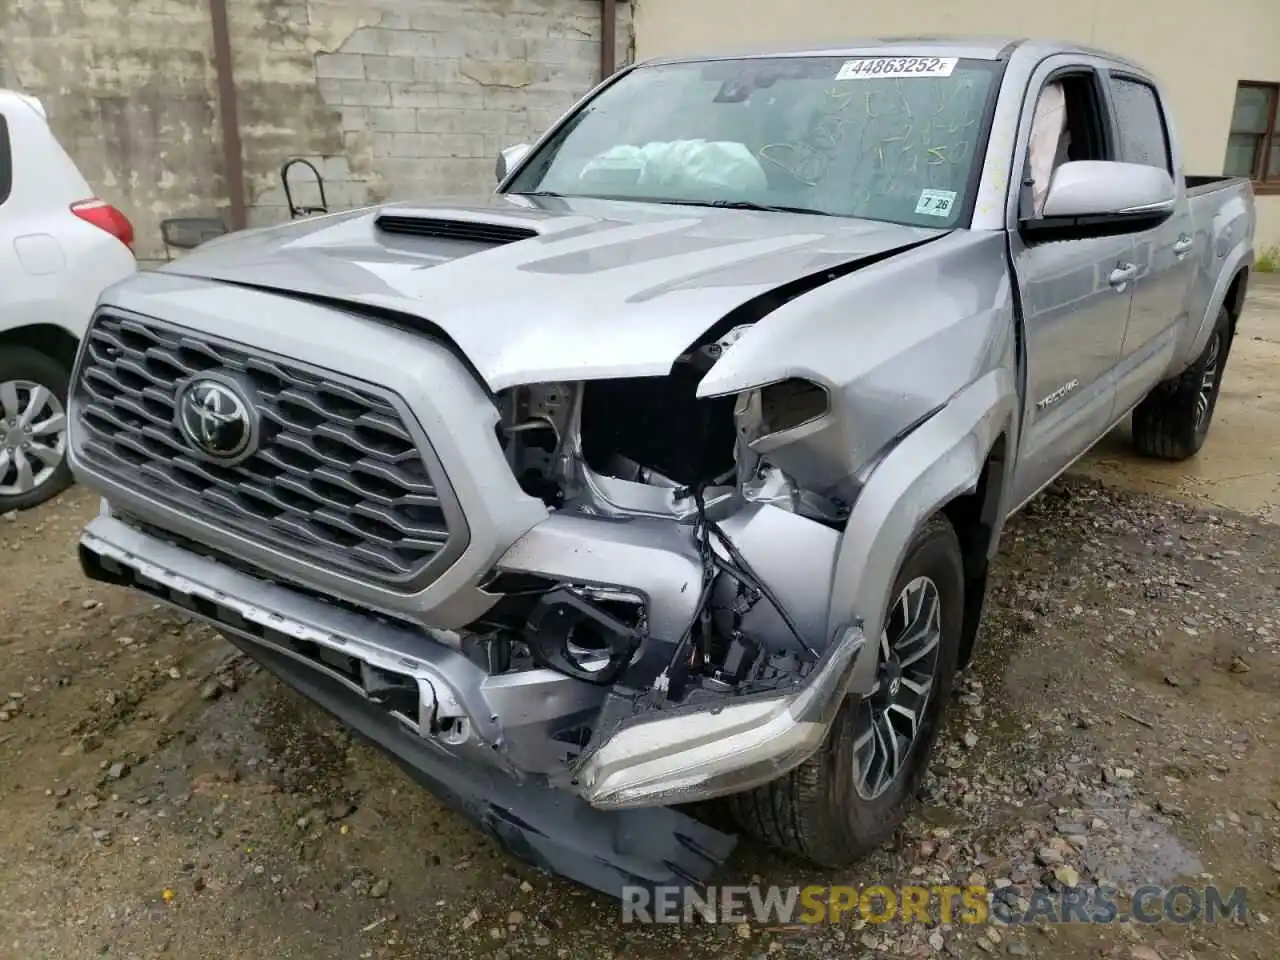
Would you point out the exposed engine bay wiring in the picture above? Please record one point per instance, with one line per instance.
(650, 449)
(690, 650)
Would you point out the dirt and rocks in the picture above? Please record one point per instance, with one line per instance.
(1239, 467)
(160, 796)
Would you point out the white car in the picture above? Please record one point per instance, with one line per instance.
(60, 246)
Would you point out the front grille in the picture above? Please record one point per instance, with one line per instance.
(337, 480)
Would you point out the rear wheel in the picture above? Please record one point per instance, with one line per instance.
(33, 428)
(1173, 421)
(855, 791)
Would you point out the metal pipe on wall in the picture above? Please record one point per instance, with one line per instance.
(608, 38)
(232, 157)
(232, 150)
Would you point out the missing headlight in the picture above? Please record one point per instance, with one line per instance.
(779, 407)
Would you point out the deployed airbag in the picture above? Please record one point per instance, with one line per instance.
(692, 165)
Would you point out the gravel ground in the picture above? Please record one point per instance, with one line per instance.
(163, 797)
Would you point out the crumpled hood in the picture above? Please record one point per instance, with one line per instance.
(605, 289)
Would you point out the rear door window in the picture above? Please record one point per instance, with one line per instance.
(1142, 135)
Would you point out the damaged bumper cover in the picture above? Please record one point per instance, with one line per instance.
(450, 731)
(606, 850)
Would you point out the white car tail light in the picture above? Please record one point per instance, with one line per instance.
(106, 217)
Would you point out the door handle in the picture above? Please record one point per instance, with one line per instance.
(1121, 276)
(1183, 246)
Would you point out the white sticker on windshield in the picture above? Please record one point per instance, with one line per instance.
(881, 68)
(936, 203)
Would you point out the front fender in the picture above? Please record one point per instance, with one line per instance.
(942, 459)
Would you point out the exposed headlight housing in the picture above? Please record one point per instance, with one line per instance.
(780, 411)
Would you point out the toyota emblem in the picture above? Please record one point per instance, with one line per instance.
(217, 418)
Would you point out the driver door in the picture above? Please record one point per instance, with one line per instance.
(1075, 294)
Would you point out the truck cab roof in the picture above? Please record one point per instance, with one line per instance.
(938, 45)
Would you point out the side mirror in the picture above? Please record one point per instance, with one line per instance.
(509, 159)
(1089, 197)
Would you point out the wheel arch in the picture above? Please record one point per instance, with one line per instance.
(958, 463)
(977, 520)
(48, 338)
(1234, 300)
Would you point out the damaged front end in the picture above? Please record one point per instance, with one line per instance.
(565, 606)
(685, 570)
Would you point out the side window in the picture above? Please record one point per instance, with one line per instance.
(1087, 123)
(1140, 121)
(6, 161)
(1069, 123)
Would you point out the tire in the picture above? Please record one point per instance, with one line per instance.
(818, 811)
(1174, 419)
(24, 373)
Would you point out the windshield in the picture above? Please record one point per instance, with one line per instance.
(885, 138)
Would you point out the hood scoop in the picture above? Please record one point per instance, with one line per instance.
(465, 231)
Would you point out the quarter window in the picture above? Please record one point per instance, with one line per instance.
(1140, 122)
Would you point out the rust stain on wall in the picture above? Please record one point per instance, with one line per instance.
(128, 87)
(389, 98)
(282, 113)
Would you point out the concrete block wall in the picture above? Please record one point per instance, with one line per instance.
(399, 99)
(129, 95)
(428, 94)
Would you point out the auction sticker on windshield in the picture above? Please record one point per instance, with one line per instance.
(889, 68)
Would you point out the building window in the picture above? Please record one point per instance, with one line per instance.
(1253, 148)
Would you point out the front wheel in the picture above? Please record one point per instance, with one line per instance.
(850, 796)
(33, 428)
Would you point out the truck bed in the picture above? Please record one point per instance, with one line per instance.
(1222, 210)
(1198, 185)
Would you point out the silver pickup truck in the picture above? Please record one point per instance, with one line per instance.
(672, 470)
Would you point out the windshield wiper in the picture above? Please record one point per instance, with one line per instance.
(767, 207)
(723, 204)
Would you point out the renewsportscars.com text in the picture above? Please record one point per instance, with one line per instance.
(795, 906)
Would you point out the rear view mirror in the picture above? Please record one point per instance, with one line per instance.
(1090, 197)
(509, 159)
